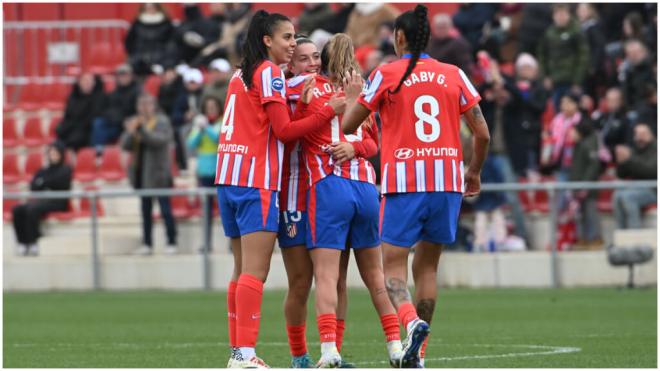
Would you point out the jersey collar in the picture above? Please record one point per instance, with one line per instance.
(408, 55)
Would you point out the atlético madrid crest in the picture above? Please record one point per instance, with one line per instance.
(291, 230)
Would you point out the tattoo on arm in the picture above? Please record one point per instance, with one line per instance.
(478, 115)
(397, 290)
(425, 309)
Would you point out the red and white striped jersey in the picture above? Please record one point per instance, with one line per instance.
(421, 150)
(318, 160)
(249, 154)
(293, 193)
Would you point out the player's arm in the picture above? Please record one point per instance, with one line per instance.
(368, 146)
(481, 138)
(287, 130)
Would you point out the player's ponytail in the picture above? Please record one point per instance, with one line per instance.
(254, 49)
(415, 26)
(338, 58)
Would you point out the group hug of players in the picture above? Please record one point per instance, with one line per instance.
(292, 165)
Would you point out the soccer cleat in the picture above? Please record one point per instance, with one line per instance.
(330, 359)
(395, 358)
(302, 362)
(234, 358)
(411, 346)
(254, 362)
(345, 364)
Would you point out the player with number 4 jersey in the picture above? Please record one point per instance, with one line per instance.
(420, 101)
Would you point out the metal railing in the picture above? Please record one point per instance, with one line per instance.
(94, 195)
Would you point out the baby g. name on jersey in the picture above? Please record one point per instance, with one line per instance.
(425, 76)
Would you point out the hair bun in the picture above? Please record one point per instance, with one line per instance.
(261, 14)
(421, 9)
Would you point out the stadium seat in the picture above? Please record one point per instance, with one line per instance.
(85, 209)
(111, 168)
(604, 201)
(33, 163)
(8, 206)
(85, 168)
(10, 137)
(56, 95)
(152, 84)
(181, 207)
(11, 173)
(52, 126)
(33, 135)
(31, 97)
(64, 216)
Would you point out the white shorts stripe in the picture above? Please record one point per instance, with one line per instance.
(236, 170)
(251, 173)
(223, 171)
(462, 177)
(453, 175)
(420, 175)
(439, 175)
(401, 177)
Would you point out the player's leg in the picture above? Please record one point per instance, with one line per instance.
(425, 276)
(326, 276)
(299, 272)
(401, 224)
(342, 296)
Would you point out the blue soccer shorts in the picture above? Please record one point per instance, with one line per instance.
(419, 216)
(293, 228)
(342, 211)
(245, 210)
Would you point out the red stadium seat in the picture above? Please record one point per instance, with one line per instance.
(56, 96)
(111, 168)
(64, 216)
(10, 137)
(8, 206)
(152, 84)
(85, 169)
(11, 173)
(33, 135)
(181, 207)
(52, 126)
(33, 163)
(31, 97)
(86, 206)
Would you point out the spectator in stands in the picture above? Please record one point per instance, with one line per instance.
(536, 19)
(315, 16)
(558, 145)
(470, 20)
(171, 84)
(386, 34)
(234, 25)
(85, 102)
(447, 45)
(204, 138)
(636, 72)
(637, 163)
(56, 176)
(194, 33)
(490, 225)
(365, 20)
(220, 73)
(563, 55)
(646, 110)
(120, 105)
(592, 29)
(186, 107)
(148, 136)
(586, 166)
(613, 123)
(149, 40)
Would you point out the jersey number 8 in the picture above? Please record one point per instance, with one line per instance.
(425, 119)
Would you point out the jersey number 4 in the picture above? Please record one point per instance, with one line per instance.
(227, 127)
(426, 120)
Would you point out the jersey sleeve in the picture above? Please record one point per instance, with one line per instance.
(294, 88)
(469, 94)
(375, 89)
(269, 81)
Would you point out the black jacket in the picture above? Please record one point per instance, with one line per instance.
(121, 103)
(75, 128)
(615, 128)
(642, 164)
(149, 43)
(53, 178)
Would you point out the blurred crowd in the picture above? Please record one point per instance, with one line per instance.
(569, 91)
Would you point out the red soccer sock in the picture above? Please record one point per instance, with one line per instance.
(297, 341)
(327, 324)
(249, 293)
(407, 313)
(341, 326)
(390, 324)
(422, 351)
(231, 312)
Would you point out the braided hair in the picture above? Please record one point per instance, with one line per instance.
(254, 49)
(415, 26)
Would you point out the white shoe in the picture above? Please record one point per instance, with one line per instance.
(234, 358)
(254, 362)
(33, 250)
(395, 351)
(21, 250)
(144, 250)
(331, 359)
(171, 250)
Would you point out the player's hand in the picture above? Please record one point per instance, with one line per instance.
(472, 183)
(353, 86)
(308, 90)
(342, 151)
(337, 103)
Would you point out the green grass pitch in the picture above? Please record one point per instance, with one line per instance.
(504, 328)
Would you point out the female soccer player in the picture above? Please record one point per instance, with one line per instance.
(342, 206)
(420, 101)
(248, 171)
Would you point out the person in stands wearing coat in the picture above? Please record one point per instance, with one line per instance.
(85, 102)
(148, 136)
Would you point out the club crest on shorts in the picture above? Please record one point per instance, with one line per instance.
(291, 230)
(277, 84)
